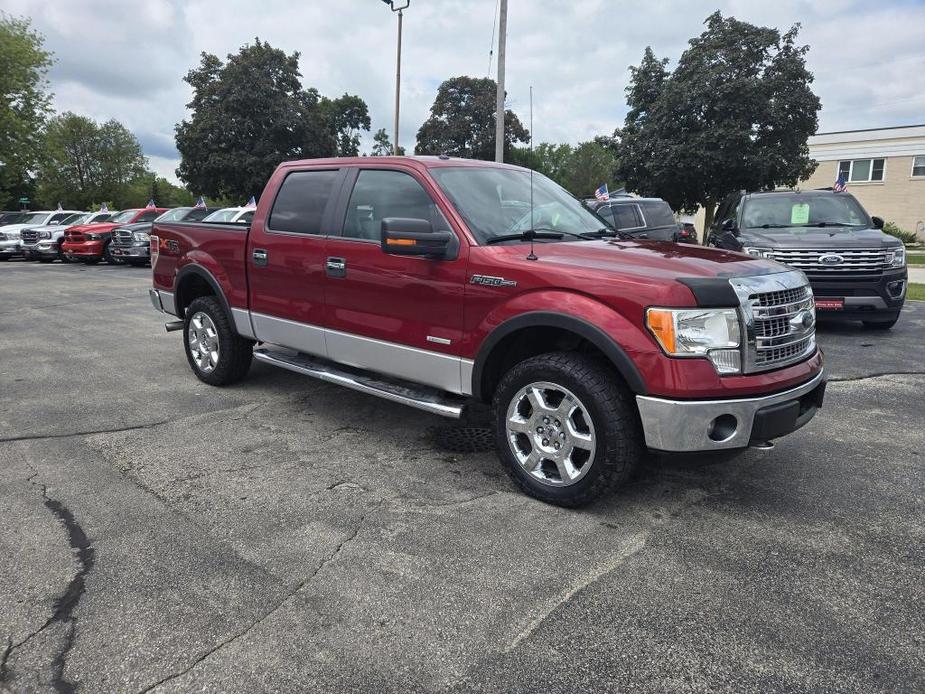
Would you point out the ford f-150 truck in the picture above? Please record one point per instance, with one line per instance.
(407, 278)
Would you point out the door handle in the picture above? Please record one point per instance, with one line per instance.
(260, 257)
(335, 267)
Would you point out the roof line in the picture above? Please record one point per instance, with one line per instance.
(870, 130)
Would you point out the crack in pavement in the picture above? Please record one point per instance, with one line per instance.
(848, 379)
(298, 587)
(39, 437)
(65, 604)
(636, 543)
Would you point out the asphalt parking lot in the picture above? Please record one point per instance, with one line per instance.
(160, 535)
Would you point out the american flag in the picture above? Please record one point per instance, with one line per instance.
(841, 185)
(200, 202)
(60, 209)
(601, 193)
(150, 205)
(104, 207)
(251, 202)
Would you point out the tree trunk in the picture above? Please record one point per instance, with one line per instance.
(709, 210)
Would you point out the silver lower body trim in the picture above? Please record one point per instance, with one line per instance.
(163, 301)
(288, 333)
(242, 323)
(685, 425)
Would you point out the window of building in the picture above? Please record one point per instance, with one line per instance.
(862, 170)
(918, 166)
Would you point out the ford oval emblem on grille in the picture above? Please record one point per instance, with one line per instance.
(831, 259)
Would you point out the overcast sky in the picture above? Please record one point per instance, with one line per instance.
(125, 59)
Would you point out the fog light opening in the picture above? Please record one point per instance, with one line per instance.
(723, 428)
(895, 289)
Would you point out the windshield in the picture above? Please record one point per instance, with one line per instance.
(496, 202)
(125, 216)
(73, 219)
(175, 215)
(225, 215)
(34, 218)
(784, 211)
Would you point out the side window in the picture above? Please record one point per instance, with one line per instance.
(606, 212)
(246, 218)
(627, 217)
(148, 216)
(379, 194)
(300, 204)
(58, 217)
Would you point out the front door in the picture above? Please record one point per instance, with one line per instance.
(285, 257)
(401, 315)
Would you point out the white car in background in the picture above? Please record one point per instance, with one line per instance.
(43, 243)
(232, 215)
(11, 234)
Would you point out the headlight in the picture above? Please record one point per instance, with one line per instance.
(757, 252)
(44, 234)
(710, 333)
(92, 237)
(896, 257)
(141, 236)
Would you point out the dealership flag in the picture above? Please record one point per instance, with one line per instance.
(601, 193)
(150, 205)
(251, 202)
(104, 208)
(840, 185)
(200, 202)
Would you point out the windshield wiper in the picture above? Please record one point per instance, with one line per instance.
(774, 226)
(604, 232)
(525, 236)
(829, 224)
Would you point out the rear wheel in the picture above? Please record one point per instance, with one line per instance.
(566, 430)
(217, 355)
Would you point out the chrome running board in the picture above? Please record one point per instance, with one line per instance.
(405, 393)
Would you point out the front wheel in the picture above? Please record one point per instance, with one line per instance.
(217, 355)
(109, 257)
(566, 429)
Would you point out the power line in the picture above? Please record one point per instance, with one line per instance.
(491, 47)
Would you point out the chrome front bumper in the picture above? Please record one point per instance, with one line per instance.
(708, 425)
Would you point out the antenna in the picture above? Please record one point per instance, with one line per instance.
(532, 255)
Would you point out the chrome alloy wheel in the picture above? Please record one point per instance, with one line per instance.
(550, 434)
(203, 342)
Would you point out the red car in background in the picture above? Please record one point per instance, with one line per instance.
(89, 243)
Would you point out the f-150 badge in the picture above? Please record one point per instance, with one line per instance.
(490, 281)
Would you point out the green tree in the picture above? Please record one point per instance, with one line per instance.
(150, 186)
(589, 165)
(734, 114)
(83, 162)
(24, 105)
(547, 158)
(250, 113)
(462, 121)
(382, 145)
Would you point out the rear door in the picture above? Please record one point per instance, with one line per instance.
(285, 259)
(400, 315)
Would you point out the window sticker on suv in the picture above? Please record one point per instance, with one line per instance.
(799, 213)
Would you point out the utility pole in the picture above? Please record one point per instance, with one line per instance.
(499, 104)
(399, 9)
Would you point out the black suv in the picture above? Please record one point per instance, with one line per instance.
(645, 218)
(857, 272)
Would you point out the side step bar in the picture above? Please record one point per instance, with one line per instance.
(410, 394)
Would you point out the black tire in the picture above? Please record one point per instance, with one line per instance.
(135, 263)
(91, 261)
(4, 257)
(109, 257)
(46, 260)
(234, 352)
(881, 324)
(617, 431)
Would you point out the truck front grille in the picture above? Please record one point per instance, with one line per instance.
(30, 237)
(838, 261)
(780, 319)
(122, 237)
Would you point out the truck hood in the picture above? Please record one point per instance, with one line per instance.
(814, 237)
(658, 261)
(94, 228)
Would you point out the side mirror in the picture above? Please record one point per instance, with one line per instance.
(405, 236)
(878, 222)
(729, 226)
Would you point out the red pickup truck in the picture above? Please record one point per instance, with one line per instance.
(90, 243)
(438, 282)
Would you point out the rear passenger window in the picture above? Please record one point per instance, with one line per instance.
(605, 212)
(627, 217)
(380, 194)
(148, 216)
(302, 199)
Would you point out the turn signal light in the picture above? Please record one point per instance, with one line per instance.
(401, 242)
(661, 323)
